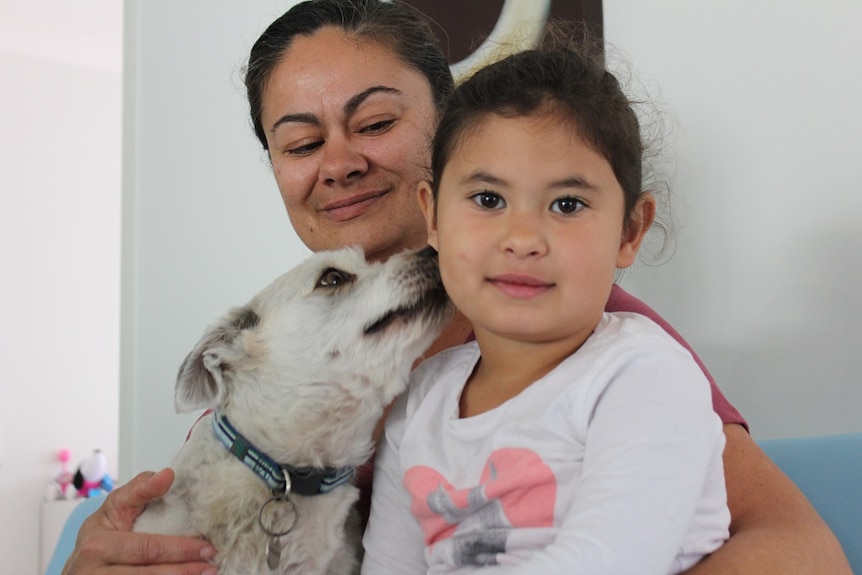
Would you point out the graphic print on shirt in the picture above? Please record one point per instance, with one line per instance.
(516, 490)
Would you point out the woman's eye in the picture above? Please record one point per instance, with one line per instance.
(488, 200)
(377, 127)
(567, 205)
(333, 278)
(304, 148)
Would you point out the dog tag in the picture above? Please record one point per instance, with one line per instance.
(276, 518)
(273, 553)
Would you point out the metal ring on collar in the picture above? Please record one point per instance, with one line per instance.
(269, 531)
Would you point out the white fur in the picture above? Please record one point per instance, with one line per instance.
(297, 374)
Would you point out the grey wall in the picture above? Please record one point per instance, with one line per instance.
(766, 278)
(204, 226)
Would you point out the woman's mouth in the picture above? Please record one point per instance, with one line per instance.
(348, 208)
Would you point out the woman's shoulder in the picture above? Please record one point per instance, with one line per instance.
(622, 302)
(626, 333)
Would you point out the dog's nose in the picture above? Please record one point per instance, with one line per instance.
(427, 252)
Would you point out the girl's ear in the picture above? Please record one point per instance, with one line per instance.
(636, 229)
(426, 202)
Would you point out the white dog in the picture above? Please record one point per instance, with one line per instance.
(297, 380)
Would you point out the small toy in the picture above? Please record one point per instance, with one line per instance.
(58, 488)
(91, 477)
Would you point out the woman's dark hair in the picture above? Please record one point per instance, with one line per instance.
(394, 25)
(559, 78)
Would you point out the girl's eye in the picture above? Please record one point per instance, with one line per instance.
(567, 205)
(377, 127)
(332, 278)
(488, 200)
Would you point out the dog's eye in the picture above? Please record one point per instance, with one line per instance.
(333, 278)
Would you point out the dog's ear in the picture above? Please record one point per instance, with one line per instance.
(200, 381)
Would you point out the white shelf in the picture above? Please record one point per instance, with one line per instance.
(53, 517)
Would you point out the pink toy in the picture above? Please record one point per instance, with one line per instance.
(64, 478)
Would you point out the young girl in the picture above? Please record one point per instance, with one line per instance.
(564, 439)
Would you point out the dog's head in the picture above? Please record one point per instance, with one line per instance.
(330, 341)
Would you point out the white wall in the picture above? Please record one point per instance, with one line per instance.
(765, 280)
(59, 251)
(204, 226)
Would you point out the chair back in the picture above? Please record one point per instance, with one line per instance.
(66, 541)
(828, 470)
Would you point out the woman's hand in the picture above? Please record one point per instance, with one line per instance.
(106, 544)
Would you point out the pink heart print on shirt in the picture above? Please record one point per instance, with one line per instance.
(516, 489)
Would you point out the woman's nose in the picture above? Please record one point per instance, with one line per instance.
(342, 162)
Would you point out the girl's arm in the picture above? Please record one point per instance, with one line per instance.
(393, 541)
(774, 529)
(651, 481)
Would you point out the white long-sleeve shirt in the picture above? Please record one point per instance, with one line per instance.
(611, 463)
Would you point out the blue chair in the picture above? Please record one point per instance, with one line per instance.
(66, 542)
(828, 470)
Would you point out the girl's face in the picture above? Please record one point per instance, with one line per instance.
(529, 228)
(348, 126)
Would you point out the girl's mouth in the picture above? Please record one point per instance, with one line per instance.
(520, 286)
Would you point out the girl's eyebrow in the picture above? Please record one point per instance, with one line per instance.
(576, 182)
(480, 176)
(350, 107)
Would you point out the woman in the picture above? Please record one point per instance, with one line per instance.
(344, 96)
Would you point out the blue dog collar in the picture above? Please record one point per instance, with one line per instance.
(280, 477)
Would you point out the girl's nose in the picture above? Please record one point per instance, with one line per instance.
(342, 162)
(524, 236)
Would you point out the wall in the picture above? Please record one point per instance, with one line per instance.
(204, 226)
(59, 251)
(764, 279)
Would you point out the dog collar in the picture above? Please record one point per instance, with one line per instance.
(280, 477)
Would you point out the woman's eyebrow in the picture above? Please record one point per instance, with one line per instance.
(353, 103)
(303, 118)
(350, 107)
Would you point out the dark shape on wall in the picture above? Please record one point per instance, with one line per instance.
(462, 25)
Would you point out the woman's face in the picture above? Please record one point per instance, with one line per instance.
(349, 127)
